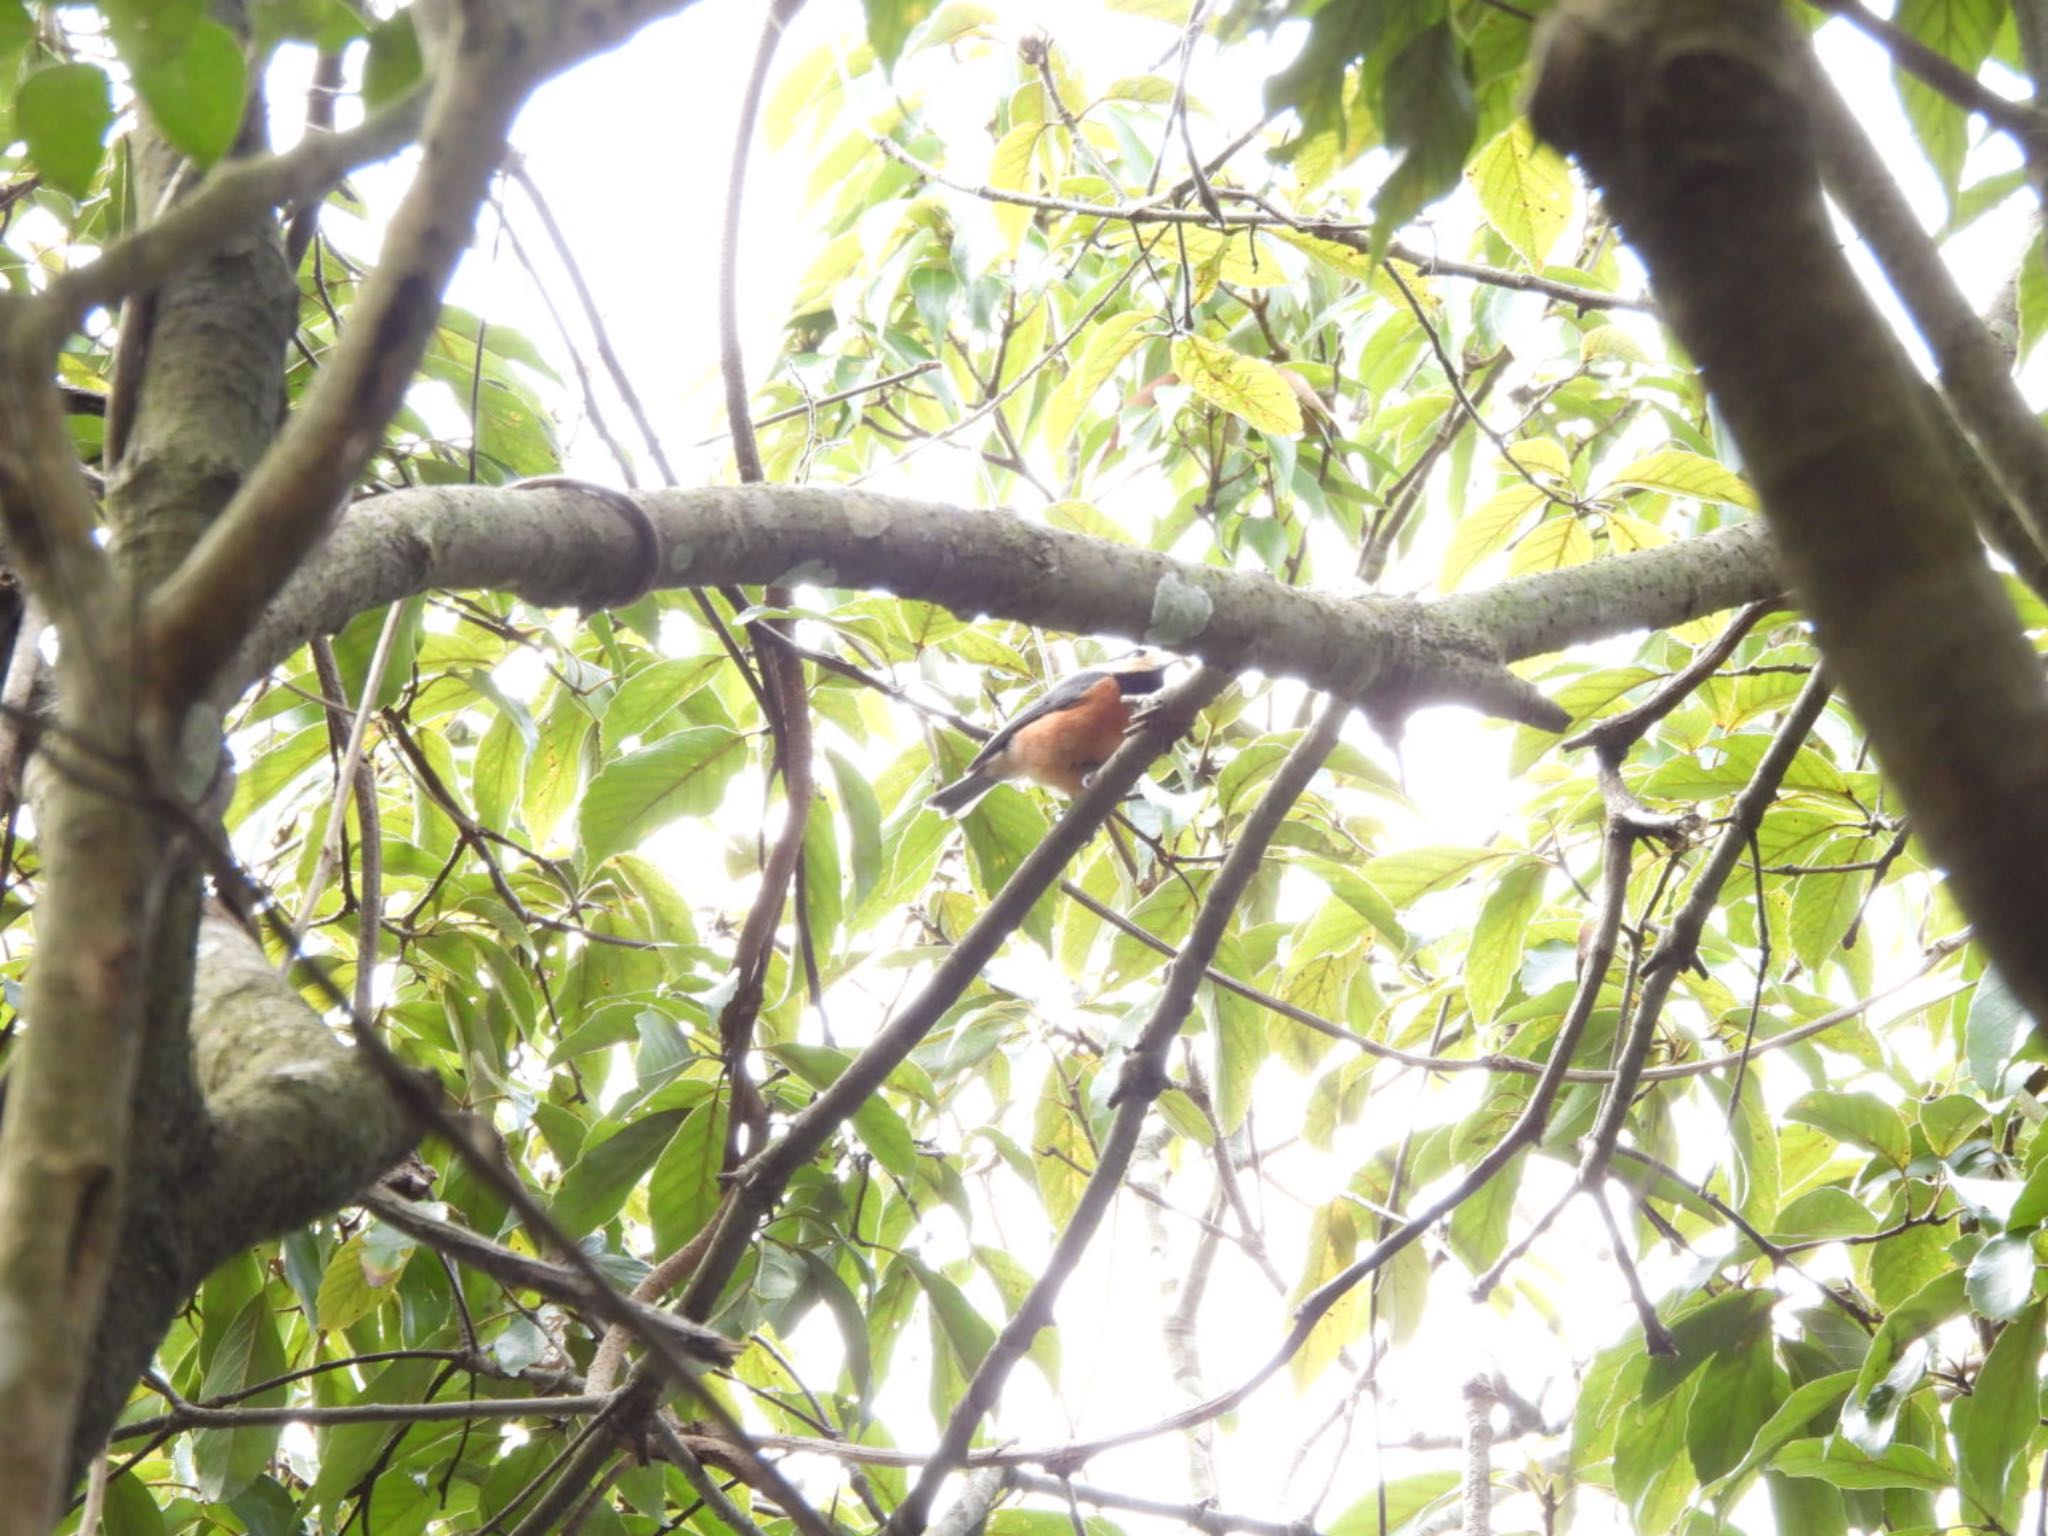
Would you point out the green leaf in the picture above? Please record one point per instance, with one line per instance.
(228, 1460)
(680, 775)
(1525, 190)
(684, 1191)
(1002, 829)
(1406, 877)
(1791, 1419)
(131, 1510)
(348, 1291)
(394, 65)
(1249, 387)
(890, 22)
(879, 1126)
(2032, 1205)
(1009, 170)
(1405, 1499)
(1478, 1231)
(1486, 530)
(499, 769)
(863, 823)
(1495, 956)
(2033, 297)
(1333, 1239)
(1736, 1393)
(196, 95)
(1842, 1464)
(1948, 1122)
(17, 31)
(1807, 1505)
(2001, 1276)
(823, 893)
(64, 111)
(1895, 1363)
(1961, 31)
(1430, 119)
(1862, 1119)
(593, 1190)
(1679, 473)
(1110, 341)
(1993, 1030)
(356, 646)
(328, 25)
(1825, 1212)
(1652, 1471)
(150, 29)
(1823, 905)
(1995, 1423)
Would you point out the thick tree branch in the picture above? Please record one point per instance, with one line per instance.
(553, 546)
(46, 511)
(1693, 115)
(300, 1122)
(289, 502)
(64, 1141)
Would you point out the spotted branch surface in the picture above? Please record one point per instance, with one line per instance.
(1389, 654)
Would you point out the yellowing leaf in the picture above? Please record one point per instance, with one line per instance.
(1332, 1244)
(1236, 258)
(1487, 529)
(1153, 89)
(1525, 190)
(1542, 456)
(1626, 532)
(1495, 955)
(1679, 473)
(1086, 517)
(1244, 386)
(1552, 545)
(1009, 170)
(1109, 342)
(1343, 258)
(1612, 341)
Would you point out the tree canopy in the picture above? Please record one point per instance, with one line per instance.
(1534, 1030)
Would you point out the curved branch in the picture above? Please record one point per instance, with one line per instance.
(300, 1122)
(201, 615)
(552, 546)
(1695, 118)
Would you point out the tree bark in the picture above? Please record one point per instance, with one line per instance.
(554, 546)
(1693, 117)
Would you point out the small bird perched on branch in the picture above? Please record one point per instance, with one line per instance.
(1062, 737)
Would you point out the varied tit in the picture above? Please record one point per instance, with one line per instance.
(1061, 738)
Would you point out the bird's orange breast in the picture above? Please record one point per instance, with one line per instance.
(1061, 749)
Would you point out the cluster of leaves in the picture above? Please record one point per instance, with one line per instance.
(189, 71)
(570, 817)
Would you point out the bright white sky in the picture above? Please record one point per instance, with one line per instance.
(632, 152)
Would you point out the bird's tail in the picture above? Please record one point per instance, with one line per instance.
(955, 797)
